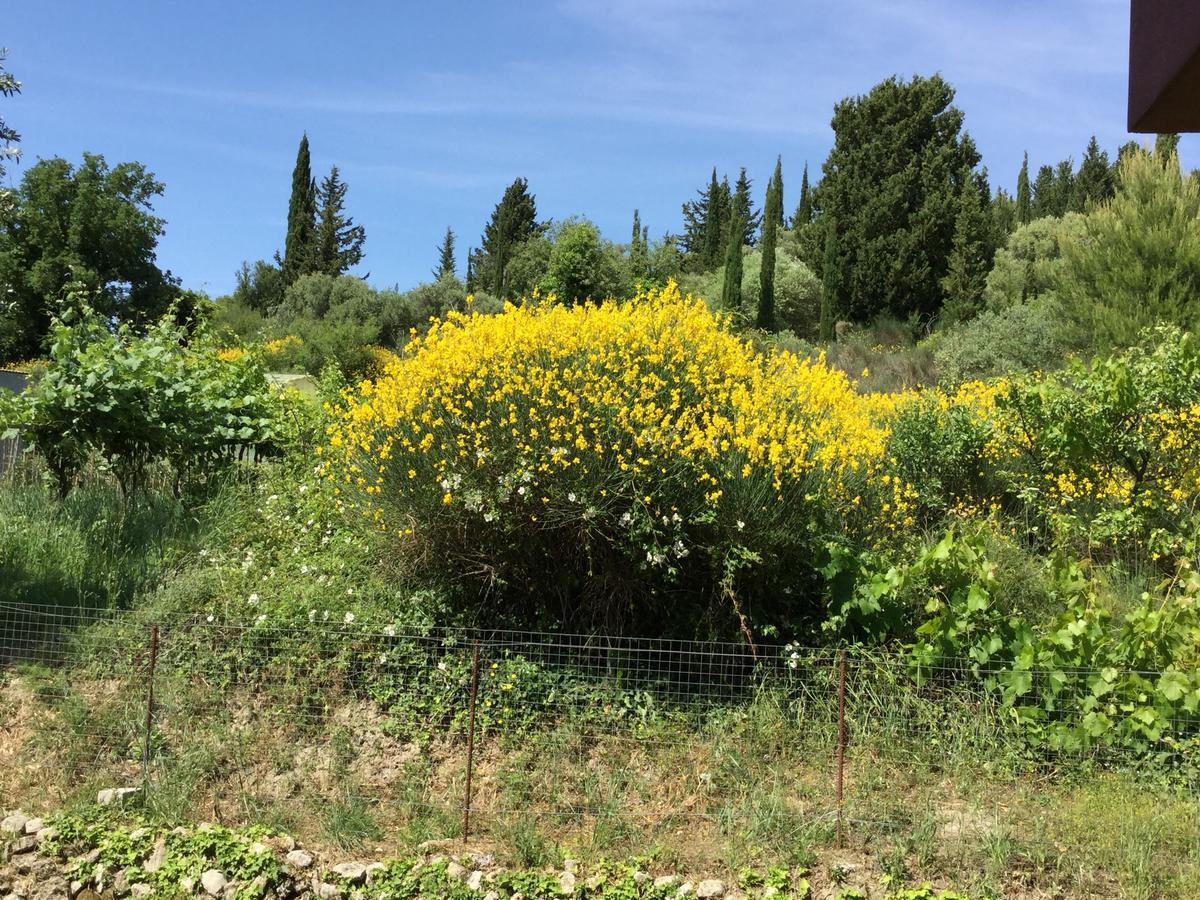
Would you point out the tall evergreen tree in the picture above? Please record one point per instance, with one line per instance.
(969, 258)
(639, 251)
(804, 208)
(1024, 196)
(1094, 182)
(339, 242)
(892, 182)
(514, 221)
(731, 288)
(1166, 145)
(447, 265)
(770, 228)
(717, 210)
(302, 218)
(1045, 193)
(831, 279)
(743, 208)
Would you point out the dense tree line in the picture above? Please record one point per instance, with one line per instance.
(902, 226)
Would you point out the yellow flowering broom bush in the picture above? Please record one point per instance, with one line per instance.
(617, 463)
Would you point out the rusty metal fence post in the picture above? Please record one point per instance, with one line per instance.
(839, 783)
(147, 736)
(471, 740)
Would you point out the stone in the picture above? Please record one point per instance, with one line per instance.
(111, 796)
(141, 890)
(566, 881)
(666, 881)
(351, 871)
(770, 891)
(22, 845)
(120, 885)
(328, 891)
(260, 848)
(491, 895)
(454, 870)
(48, 833)
(640, 878)
(710, 889)
(213, 882)
(571, 865)
(482, 860)
(686, 889)
(298, 859)
(157, 857)
(475, 880)
(33, 826)
(14, 824)
(373, 871)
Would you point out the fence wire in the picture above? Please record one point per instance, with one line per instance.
(209, 717)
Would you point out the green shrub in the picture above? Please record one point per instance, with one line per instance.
(1020, 338)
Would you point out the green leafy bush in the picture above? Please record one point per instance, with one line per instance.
(136, 399)
(1020, 338)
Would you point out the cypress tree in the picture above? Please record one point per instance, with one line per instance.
(770, 228)
(804, 209)
(743, 208)
(302, 218)
(1024, 199)
(829, 282)
(339, 242)
(639, 256)
(447, 265)
(1165, 146)
(731, 288)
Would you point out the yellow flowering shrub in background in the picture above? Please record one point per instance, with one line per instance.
(615, 451)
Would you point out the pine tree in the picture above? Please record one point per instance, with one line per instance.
(731, 289)
(514, 221)
(770, 228)
(743, 208)
(302, 218)
(717, 211)
(339, 242)
(969, 258)
(804, 209)
(830, 278)
(1094, 182)
(1024, 199)
(447, 265)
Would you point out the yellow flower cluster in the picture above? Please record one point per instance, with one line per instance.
(645, 392)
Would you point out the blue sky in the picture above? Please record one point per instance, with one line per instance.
(431, 109)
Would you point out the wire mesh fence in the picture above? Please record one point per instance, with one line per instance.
(453, 731)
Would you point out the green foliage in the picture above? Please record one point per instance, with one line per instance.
(581, 266)
(1138, 259)
(797, 292)
(1031, 265)
(259, 288)
(88, 223)
(892, 185)
(1021, 338)
(135, 400)
(743, 211)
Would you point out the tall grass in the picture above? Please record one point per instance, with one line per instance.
(92, 550)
